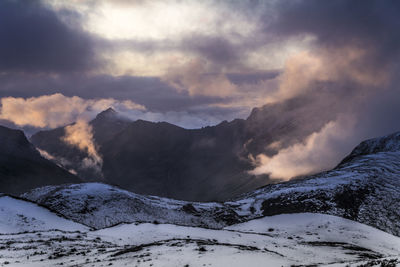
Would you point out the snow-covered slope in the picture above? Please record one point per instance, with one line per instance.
(100, 205)
(20, 216)
(283, 240)
(365, 187)
(314, 227)
(303, 238)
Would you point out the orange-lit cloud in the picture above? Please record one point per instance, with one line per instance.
(80, 135)
(195, 78)
(318, 152)
(302, 70)
(55, 110)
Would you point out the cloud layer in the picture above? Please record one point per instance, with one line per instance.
(195, 63)
(35, 39)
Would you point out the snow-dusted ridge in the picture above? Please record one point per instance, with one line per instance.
(99, 205)
(388, 143)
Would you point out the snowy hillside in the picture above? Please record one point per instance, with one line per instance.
(99, 205)
(364, 188)
(18, 216)
(283, 240)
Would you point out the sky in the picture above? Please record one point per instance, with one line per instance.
(197, 63)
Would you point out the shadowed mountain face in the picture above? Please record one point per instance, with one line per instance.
(206, 164)
(23, 168)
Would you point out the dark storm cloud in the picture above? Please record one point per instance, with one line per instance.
(357, 43)
(373, 24)
(253, 77)
(340, 21)
(215, 49)
(34, 39)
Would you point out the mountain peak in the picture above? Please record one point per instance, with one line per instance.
(107, 114)
(110, 110)
(11, 139)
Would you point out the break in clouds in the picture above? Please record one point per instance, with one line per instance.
(208, 62)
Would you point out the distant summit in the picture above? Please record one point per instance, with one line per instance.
(107, 114)
(108, 123)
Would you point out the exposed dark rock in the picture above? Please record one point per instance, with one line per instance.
(350, 200)
(316, 202)
(189, 208)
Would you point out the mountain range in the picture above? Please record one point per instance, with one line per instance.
(207, 164)
(345, 216)
(364, 187)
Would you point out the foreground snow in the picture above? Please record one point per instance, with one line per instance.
(20, 216)
(282, 240)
